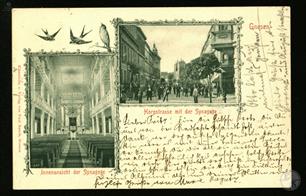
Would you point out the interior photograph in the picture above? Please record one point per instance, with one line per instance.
(70, 110)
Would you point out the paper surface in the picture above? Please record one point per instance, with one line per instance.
(171, 142)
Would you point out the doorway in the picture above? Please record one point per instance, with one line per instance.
(72, 123)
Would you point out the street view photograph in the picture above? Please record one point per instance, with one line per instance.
(177, 64)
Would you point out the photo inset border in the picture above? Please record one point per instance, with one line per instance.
(61, 116)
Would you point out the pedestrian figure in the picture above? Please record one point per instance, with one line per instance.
(203, 91)
(140, 95)
(195, 94)
(218, 90)
(123, 97)
(135, 91)
(206, 91)
(130, 92)
(160, 91)
(178, 91)
(182, 90)
(186, 91)
(224, 97)
(166, 94)
(190, 91)
(149, 93)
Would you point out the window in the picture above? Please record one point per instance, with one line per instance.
(223, 27)
(37, 125)
(224, 58)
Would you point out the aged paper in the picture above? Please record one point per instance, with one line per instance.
(151, 98)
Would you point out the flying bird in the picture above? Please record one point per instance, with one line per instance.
(104, 37)
(84, 34)
(79, 40)
(48, 37)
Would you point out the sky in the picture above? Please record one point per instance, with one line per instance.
(176, 42)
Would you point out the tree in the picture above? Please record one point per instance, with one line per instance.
(204, 67)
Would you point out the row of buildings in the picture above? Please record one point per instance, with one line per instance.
(68, 90)
(139, 63)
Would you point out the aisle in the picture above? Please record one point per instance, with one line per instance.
(73, 158)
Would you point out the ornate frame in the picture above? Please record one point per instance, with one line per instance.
(27, 126)
(178, 22)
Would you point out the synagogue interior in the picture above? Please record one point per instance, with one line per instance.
(71, 107)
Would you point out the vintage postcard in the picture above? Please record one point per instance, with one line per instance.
(116, 98)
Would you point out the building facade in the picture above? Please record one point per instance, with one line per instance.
(179, 70)
(71, 91)
(221, 42)
(139, 63)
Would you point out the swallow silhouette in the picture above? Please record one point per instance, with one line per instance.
(48, 37)
(79, 40)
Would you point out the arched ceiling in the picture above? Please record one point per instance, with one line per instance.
(72, 74)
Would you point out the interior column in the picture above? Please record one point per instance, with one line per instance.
(78, 118)
(83, 123)
(66, 118)
(97, 98)
(62, 116)
(54, 126)
(110, 125)
(42, 91)
(97, 125)
(52, 107)
(66, 121)
(111, 77)
(93, 124)
(48, 99)
(51, 125)
(103, 123)
(48, 124)
(42, 121)
(101, 82)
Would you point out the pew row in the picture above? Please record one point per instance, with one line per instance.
(46, 150)
(99, 149)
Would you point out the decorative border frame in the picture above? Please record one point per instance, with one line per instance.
(179, 22)
(27, 126)
(27, 87)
